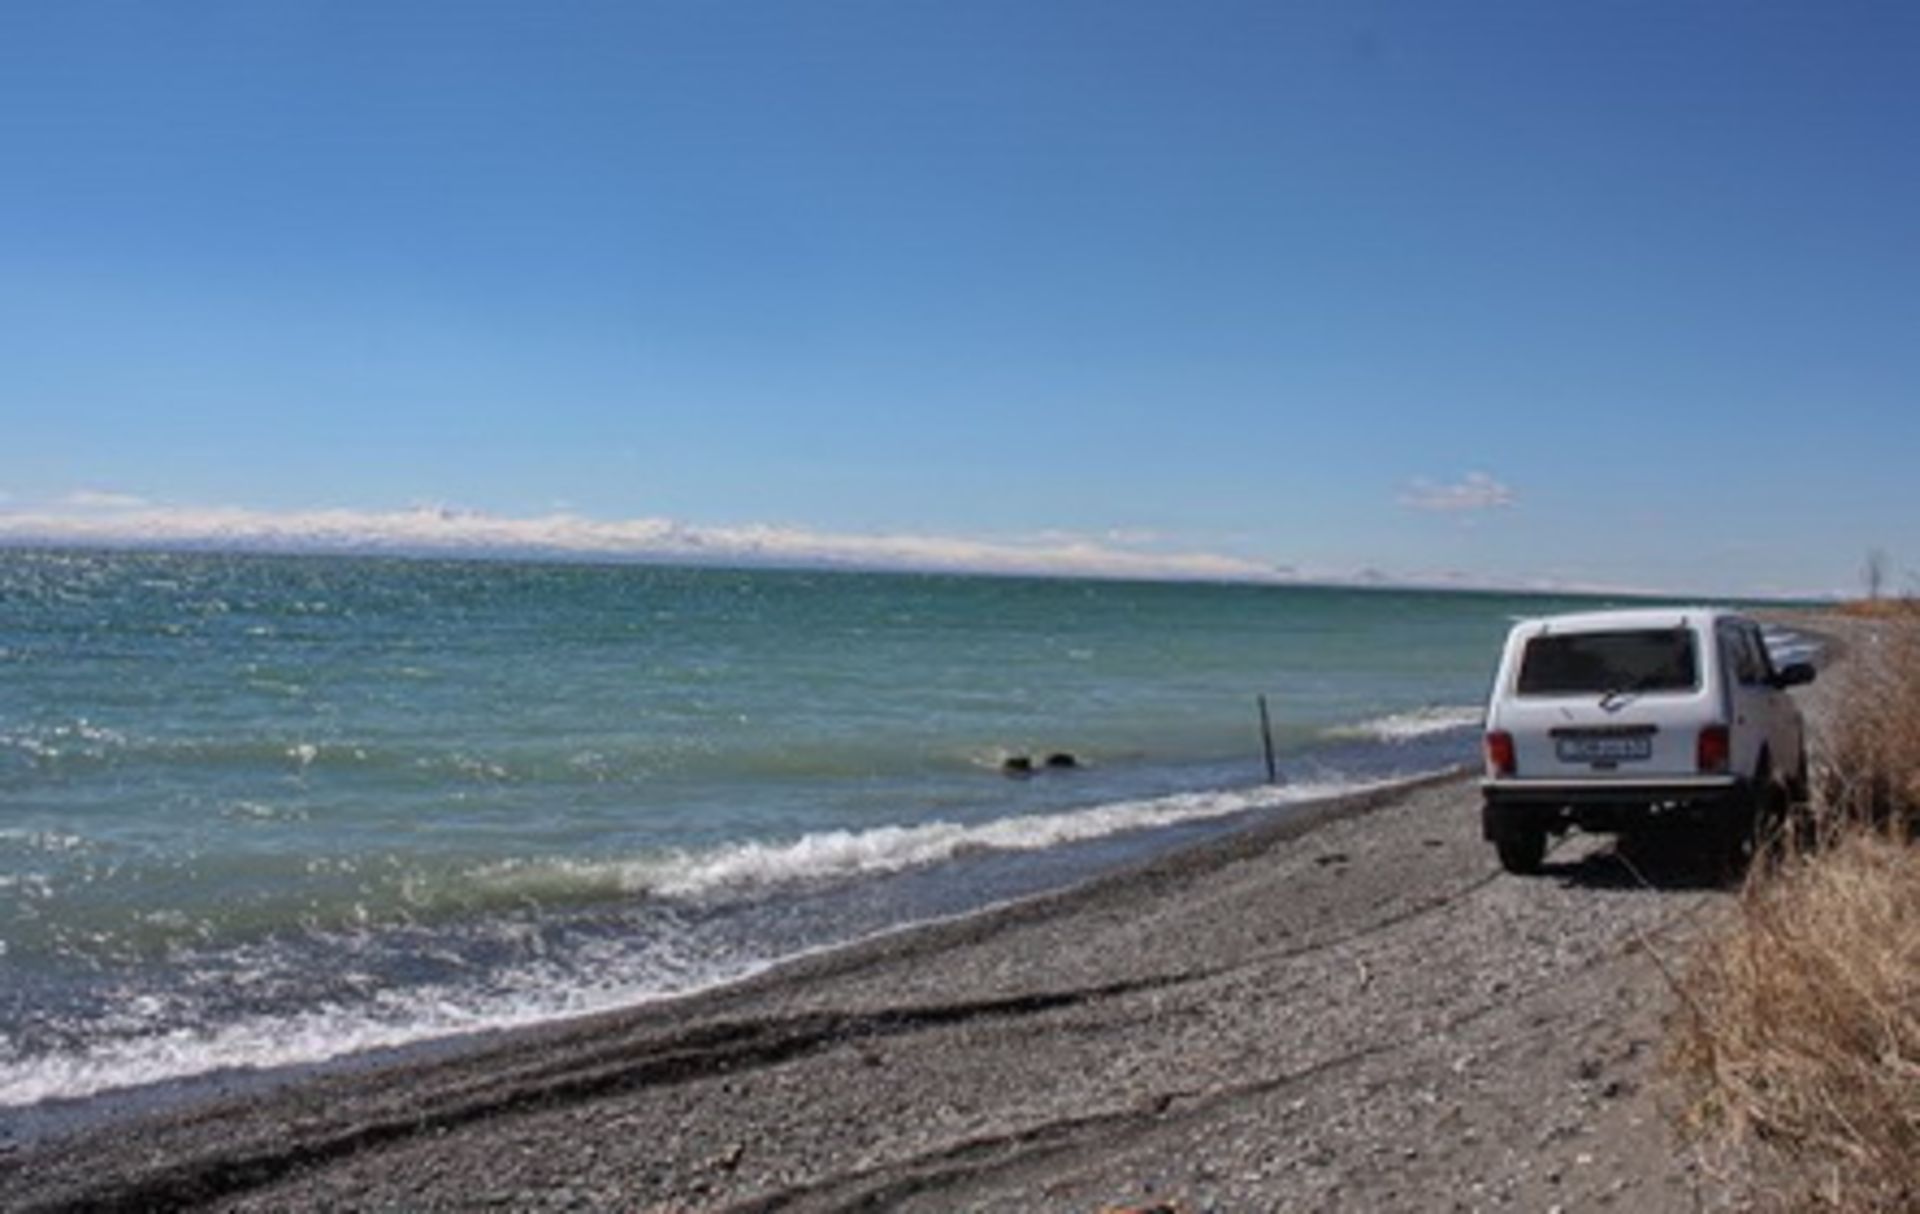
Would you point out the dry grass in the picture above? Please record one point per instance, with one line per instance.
(1797, 1049)
(1904, 606)
(1872, 768)
(1800, 1044)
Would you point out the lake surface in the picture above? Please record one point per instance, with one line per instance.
(258, 810)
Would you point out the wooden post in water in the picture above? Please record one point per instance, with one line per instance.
(1266, 738)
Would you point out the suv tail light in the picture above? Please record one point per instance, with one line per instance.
(1715, 751)
(1500, 753)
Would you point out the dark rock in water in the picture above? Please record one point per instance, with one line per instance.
(1026, 765)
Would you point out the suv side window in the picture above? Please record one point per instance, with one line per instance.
(1744, 657)
(1765, 659)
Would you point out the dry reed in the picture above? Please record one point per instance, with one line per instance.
(1797, 1047)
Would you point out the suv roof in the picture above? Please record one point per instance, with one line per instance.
(1625, 618)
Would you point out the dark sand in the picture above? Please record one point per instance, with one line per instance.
(1352, 1010)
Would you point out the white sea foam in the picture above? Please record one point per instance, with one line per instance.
(1405, 726)
(79, 737)
(588, 983)
(839, 854)
(529, 996)
(42, 840)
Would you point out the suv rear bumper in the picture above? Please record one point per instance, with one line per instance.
(1609, 806)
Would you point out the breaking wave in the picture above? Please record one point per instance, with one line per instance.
(841, 854)
(1419, 723)
(130, 1056)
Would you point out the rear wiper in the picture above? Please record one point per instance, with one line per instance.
(1613, 694)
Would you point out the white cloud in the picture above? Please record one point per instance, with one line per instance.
(101, 518)
(1476, 492)
(100, 499)
(433, 529)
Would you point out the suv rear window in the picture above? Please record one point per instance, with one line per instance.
(1594, 663)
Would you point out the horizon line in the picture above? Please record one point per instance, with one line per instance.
(1365, 581)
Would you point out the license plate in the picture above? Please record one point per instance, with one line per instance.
(1617, 748)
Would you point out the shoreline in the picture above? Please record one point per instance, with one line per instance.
(1115, 1038)
(1265, 807)
(51, 1121)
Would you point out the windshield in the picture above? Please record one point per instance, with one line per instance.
(1596, 663)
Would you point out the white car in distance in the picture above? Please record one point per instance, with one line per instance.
(1640, 720)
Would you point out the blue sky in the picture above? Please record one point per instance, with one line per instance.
(1621, 294)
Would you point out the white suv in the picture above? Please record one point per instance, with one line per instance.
(1624, 721)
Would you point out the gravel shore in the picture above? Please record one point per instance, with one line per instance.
(1352, 1009)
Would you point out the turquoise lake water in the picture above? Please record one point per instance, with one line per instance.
(267, 810)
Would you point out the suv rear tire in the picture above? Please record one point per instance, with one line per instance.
(1521, 849)
(1747, 834)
